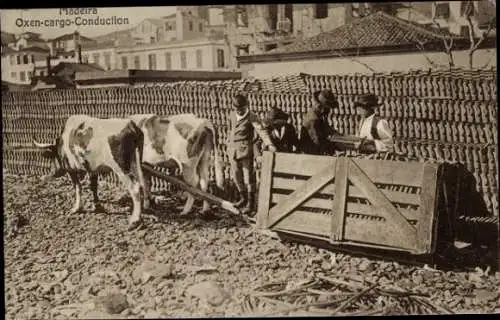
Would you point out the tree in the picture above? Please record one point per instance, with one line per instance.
(475, 41)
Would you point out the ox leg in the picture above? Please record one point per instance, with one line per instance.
(204, 178)
(148, 199)
(93, 187)
(192, 178)
(77, 207)
(134, 188)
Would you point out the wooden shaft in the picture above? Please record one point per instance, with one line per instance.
(194, 191)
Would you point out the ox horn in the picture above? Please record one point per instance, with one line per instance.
(41, 145)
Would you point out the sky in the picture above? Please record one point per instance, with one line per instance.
(47, 21)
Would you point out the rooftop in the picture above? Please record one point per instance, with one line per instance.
(376, 30)
(69, 36)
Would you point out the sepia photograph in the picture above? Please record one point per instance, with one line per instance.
(256, 160)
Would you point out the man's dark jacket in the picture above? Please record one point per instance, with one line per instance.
(315, 132)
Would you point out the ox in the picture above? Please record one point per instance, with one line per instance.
(188, 141)
(91, 145)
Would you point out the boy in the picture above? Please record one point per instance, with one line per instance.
(243, 124)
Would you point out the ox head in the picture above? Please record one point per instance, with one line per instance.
(53, 151)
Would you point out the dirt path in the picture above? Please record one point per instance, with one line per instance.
(194, 266)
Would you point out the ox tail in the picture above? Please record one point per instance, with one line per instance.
(219, 175)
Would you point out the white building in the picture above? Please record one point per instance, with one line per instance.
(198, 54)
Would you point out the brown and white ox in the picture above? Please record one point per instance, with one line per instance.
(188, 141)
(91, 145)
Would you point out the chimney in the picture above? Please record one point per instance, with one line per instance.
(79, 53)
(48, 66)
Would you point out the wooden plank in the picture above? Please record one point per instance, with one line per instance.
(307, 222)
(358, 232)
(265, 189)
(293, 184)
(392, 172)
(352, 207)
(339, 202)
(365, 231)
(396, 222)
(300, 195)
(394, 196)
(428, 215)
(301, 164)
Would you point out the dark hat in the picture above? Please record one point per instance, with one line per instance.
(368, 100)
(275, 115)
(326, 98)
(239, 101)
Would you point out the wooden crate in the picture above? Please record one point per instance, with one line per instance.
(369, 203)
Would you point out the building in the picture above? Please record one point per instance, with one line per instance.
(62, 76)
(101, 54)
(67, 44)
(396, 45)
(200, 54)
(18, 66)
(189, 22)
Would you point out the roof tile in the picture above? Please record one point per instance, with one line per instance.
(376, 30)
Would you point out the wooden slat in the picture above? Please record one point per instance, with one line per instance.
(339, 202)
(392, 172)
(394, 196)
(304, 221)
(372, 232)
(352, 207)
(300, 195)
(428, 215)
(359, 231)
(293, 184)
(301, 164)
(396, 222)
(265, 189)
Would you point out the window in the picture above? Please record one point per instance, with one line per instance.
(168, 61)
(321, 11)
(199, 58)
(183, 60)
(124, 63)
(289, 14)
(42, 73)
(107, 60)
(190, 25)
(137, 62)
(464, 31)
(271, 46)
(32, 58)
(12, 60)
(95, 57)
(152, 61)
(85, 58)
(18, 59)
(220, 58)
(13, 75)
(29, 75)
(442, 10)
(273, 16)
(22, 76)
(466, 8)
(200, 27)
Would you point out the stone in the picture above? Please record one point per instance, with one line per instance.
(150, 269)
(366, 266)
(486, 295)
(208, 291)
(113, 303)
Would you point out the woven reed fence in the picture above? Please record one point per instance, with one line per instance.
(444, 115)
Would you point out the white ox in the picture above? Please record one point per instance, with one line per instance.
(186, 139)
(90, 145)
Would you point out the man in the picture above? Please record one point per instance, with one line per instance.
(375, 132)
(243, 124)
(315, 131)
(283, 134)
